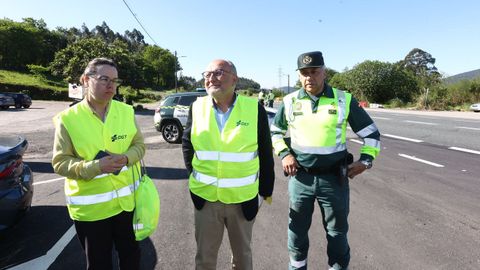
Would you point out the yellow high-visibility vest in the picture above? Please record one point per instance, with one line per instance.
(106, 195)
(225, 164)
(322, 132)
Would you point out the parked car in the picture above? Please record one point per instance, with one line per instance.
(475, 107)
(6, 101)
(21, 100)
(16, 179)
(171, 116)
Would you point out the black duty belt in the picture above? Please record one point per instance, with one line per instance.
(317, 171)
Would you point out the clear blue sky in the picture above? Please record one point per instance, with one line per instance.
(262, 37)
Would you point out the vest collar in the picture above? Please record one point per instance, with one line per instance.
(229, 107)
(87, 105)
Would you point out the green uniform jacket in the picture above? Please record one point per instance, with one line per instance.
(357, 118)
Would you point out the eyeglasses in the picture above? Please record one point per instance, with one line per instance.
(217, 73)
(105, 80)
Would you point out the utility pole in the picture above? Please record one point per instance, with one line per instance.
(288, 85)
(175, 68)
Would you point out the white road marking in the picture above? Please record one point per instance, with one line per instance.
(422, 160)
(422, 123)
(382, 118)
(356, 141)
(44, 262)
(48, 181)
(465, 150)
(469, 128)
(402, 138)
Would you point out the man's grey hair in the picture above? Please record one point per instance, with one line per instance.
(232, 67)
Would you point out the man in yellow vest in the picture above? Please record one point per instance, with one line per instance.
(228, 154)
(270, 99)
(317, 161)
(97, 147)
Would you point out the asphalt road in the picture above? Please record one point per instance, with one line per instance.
(416, 209)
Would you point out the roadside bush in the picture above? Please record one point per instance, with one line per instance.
(129, 94)
(39, 71)
(395, 103)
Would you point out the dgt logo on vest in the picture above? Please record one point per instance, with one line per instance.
(241, 123)
(118, 137)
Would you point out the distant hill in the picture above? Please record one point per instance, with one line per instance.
(470, 75)
(285, 89)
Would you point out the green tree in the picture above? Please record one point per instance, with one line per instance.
(27, 42)
(377, 81)
(244, 83)
(70, 62)
(419, 62)
(159, 66)
(187, 82)
(422, 65)
(330, 73)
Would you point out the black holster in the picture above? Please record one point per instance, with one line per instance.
(342, 172)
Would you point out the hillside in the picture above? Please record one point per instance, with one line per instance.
(469, 75)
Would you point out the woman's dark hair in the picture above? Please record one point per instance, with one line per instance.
(91, 68)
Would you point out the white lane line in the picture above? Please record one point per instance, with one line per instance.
(422, 123)
(402, 138)
(48, 181)
(469, 128)
(44, 262)
(381, 118)
(356, 141)
(465, 150)
(422, 160)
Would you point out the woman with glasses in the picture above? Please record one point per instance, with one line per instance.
(97, 147)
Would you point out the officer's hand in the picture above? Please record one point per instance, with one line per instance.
(290, 165)
(260, 201)
(110, 164)
(355, 169)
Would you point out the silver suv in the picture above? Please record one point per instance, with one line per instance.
(171, 116)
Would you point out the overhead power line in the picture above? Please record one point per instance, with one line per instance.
(135, 16)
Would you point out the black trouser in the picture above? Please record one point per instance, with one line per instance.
(97, 239)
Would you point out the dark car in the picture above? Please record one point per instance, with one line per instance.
(21, 100)
(6, 101)
(16, 179)
(171, 116)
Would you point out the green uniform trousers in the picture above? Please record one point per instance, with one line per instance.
(333, 198)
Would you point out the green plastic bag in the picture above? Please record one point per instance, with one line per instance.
(147, 208)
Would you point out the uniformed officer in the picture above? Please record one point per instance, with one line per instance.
(317, 158)
(228, 153)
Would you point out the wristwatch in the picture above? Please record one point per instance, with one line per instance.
(368, 163)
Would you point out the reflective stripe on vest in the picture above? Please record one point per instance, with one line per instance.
(226, 156)
(225, 182)
(103, 197)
